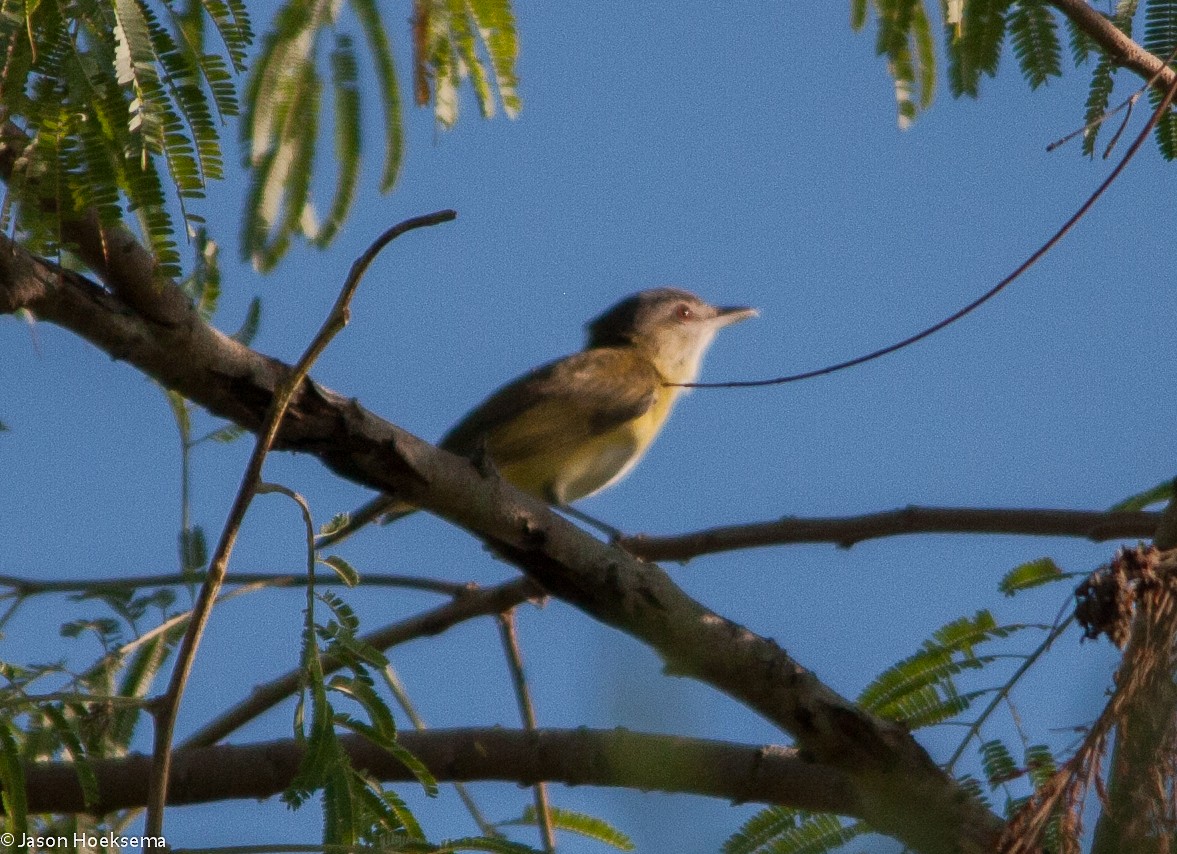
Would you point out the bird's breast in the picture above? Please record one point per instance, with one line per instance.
(606, 458)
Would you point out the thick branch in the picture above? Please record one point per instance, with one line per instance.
(111, 251)
(892, 770)
(1123, 50)
(735, 772)
(847, 531)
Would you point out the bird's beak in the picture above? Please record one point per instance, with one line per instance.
(727, 315)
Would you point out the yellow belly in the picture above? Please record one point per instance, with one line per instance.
(569, 473)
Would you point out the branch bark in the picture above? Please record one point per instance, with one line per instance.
(735, 772)
(847, 531)
(1122, 49)
(889, 769)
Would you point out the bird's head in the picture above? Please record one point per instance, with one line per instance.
(674, 327)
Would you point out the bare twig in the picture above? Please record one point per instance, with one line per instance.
(510, 639)
(23, 586)
(473, 603)
(166, 712)
(1002, 693)
(846, 531)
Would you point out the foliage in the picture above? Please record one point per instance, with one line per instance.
(924, 690)
(285, 93)
(1163, 491)
(132, 125)
(976, 31)
(782, 830)
(95, 123)
(48, 712)
(588, 826)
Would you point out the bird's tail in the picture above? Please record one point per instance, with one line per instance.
(382, 505)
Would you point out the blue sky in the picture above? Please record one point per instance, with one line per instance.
(753, 158)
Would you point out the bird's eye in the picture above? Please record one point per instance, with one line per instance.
(683, 312)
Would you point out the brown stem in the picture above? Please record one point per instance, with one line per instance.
(846, 531)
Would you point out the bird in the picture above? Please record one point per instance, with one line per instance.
(575, 426)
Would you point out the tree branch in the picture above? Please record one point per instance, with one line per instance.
(890, 768)
(1122, 49)
(112, 251)
(846, 531)
(735, 772)
(471, 604)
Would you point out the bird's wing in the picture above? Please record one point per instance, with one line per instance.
(560, 404)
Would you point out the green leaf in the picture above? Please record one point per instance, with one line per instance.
(343, 569)
(858, 10)
(977, 49)
(761, 829)
(65, 728)
(249, 327)
(1035, 573)
(1166, 129)
(1160, 27)
(1103, 81)
(1099, 94)
(1035, 39)
(1163, 491)
(368, 14)
(346, 94)
(12, 782)
(335, 523)
(193, 549)
(814, 833)
(496, 27)
(998, 764)
(921, 689)
(1082, 45)
(588, 826)
(393, 825)
(1041, 764)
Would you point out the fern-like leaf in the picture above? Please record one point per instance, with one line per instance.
(1034, 34)
(977, 49)
(1034, 573)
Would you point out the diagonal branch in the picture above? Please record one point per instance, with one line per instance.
(847, 531)
(890, 768)
(1122, 49)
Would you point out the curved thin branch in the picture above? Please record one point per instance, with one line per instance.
(23, 586)
(735, 772)
(846, 531)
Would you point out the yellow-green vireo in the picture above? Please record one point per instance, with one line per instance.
(575, 426)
